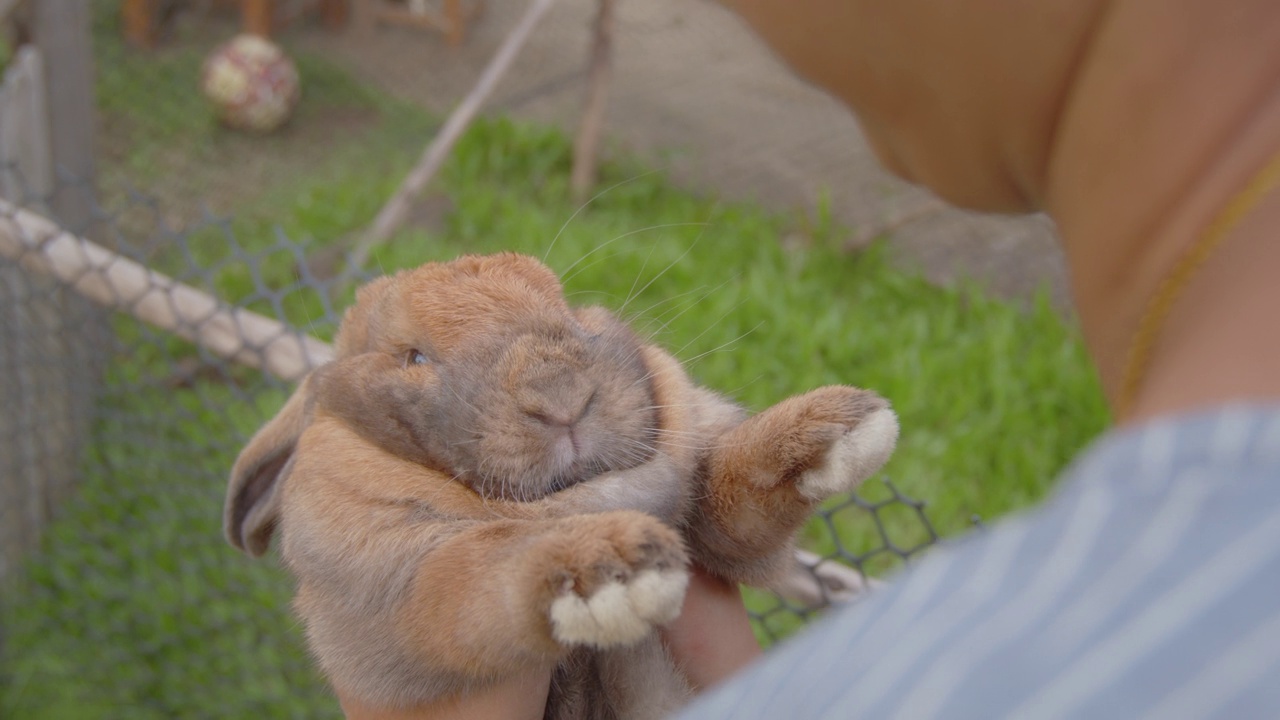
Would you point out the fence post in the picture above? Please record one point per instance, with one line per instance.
(51, 341)
(62, 34)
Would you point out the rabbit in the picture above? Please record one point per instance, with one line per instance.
(484, 479)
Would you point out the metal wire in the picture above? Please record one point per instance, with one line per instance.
(120, 597)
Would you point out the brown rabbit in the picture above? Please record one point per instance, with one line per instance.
(485, 478)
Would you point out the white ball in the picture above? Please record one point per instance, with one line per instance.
(252, 84)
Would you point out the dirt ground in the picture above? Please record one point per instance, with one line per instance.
(696, 92)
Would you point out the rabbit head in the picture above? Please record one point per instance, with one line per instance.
(477, 368)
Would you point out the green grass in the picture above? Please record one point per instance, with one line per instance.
(135, 607)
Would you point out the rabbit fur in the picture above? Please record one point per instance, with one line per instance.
(485, 479)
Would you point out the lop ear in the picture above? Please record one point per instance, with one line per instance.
(359, 319)
(252, 508)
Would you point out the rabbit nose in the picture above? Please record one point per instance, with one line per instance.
(562, 411)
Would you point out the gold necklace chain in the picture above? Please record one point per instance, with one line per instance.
(1173, 284)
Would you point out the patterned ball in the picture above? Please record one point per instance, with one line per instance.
(252, 84)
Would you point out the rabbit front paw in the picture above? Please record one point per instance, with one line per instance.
(853, 457)
(624, 579)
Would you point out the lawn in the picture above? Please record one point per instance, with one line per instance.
(135, 607)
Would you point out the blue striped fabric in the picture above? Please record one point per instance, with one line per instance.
(1148, 586)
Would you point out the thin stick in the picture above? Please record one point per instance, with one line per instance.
(393, 214)
(116, 282)
(586, 146)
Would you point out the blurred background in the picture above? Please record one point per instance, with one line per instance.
(190, 191)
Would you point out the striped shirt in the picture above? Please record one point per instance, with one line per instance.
(1148, 586)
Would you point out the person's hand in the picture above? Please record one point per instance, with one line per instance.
(712, 637)
(523, 697)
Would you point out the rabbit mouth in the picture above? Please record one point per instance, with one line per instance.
(579, 470)
(531, 487)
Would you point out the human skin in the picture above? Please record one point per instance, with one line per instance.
(1130, 123)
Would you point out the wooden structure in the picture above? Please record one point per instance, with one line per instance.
(142, 18)
(450, 17)
(586, 143)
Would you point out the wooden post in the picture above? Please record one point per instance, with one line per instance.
(62, 35)
(257, 17)
(586, 146)
(139, 18)
(51, 339)
(457, 23)
(333, 13)
(26, 165)
(26, 174)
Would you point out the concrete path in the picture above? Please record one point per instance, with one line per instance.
(694, 89)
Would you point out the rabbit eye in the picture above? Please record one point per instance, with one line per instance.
(415, 357)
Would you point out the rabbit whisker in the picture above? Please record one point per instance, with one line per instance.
(680, 310)
(576, 293)
(648, 376)
(662, 320)
(632, 295)
(462, 400)
(627, 235)
(636, 281)
(584, 205)
(716, 322)
(669, 405)
(639, 454)
(663, 326)
(603, 258)
(724, 345)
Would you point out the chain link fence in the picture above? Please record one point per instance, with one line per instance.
(120, 597)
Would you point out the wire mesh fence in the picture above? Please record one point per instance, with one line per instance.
(121, 598)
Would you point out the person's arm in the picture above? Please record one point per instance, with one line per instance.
(1130, 123)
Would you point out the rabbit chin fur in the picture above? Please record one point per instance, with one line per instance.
(486, 480)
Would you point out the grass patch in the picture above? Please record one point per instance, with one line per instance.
(136, 608)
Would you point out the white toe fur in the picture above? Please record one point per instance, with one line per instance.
(619, 624)
(658, 596)
(853, 458)
(618, 614)
(571, 621)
